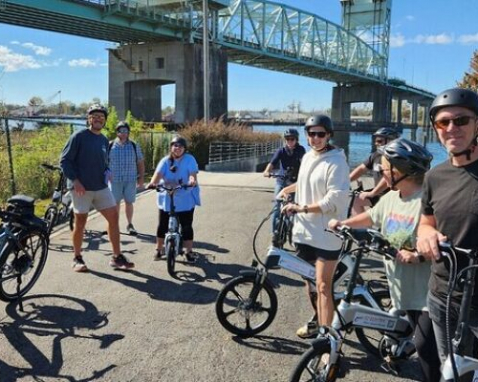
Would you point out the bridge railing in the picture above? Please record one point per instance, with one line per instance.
(221, 152)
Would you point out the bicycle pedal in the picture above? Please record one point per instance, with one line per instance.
(390, 367)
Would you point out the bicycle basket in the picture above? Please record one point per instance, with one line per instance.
(22, 205)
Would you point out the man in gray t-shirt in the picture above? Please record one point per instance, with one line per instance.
(84, 162)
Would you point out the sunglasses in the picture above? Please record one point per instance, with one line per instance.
(320, 134)
(458, 121)
(123, 131)
(177, 145)
(290, 139)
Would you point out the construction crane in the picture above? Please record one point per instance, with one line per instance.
(34, 109)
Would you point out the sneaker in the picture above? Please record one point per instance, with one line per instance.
(309, 330)
(190, 257)
(79, 264)
(121, 262)
(158, 255)
(131, 230)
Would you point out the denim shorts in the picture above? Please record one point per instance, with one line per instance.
(100, 200)
(124, 190)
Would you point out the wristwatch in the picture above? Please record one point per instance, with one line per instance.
(306, 208)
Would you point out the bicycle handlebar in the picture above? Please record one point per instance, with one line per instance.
(162, 187)
(368, 238)
(9, 215)
(50, 167)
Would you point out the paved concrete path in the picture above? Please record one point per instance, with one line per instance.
(143, 325)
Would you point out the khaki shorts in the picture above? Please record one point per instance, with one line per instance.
(100, 200)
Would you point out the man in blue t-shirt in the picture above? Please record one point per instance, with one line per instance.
(287, 161)
(84, 161)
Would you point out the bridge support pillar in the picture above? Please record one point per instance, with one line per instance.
(380, 95)
(137, 72)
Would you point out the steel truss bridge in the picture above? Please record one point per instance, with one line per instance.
(257, 33)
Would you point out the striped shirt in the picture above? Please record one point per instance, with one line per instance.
(122, 159)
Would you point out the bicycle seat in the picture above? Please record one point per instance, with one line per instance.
(22, 205)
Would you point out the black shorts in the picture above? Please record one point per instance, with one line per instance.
(312, 254)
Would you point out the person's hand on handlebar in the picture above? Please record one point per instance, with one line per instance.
(266, 174)
(290, 209)
(151, 186)
(334, 224)
(365, 195)
(427, 244)
(406, 256)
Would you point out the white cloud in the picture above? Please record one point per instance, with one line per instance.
(82, 62)
(13, 62)
(410, 18)
(442, 39)
(39, 50)
(468, 39)
(397, 41)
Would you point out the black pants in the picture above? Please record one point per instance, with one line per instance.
(425, 344)
(185, 219)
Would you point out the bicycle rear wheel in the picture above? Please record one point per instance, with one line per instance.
(370, 338)
(22, 265)
(170, 250)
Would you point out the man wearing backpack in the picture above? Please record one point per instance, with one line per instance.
(126, 163)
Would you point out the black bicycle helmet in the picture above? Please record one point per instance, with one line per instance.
(454, 97)
(179, 140)
(291, 133)
(389, 133)
(123, 124)
(410, 158)
(96, 107)
(320, 120)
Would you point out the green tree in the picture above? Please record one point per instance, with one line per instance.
(470, 79)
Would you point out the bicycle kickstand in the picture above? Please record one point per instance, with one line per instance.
(390, 366)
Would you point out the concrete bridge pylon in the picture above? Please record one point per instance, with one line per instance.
(137, 72)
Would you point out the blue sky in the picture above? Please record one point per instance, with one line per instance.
(432, 43)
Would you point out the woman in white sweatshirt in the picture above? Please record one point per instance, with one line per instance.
(321, 195)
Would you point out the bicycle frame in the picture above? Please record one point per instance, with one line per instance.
(457, 364)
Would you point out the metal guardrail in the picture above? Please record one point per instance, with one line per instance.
(220, 152)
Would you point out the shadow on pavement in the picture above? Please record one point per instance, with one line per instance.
(163, 290)
(55, 316)
(273, 344)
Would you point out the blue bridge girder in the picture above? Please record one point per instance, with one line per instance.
(257, 33)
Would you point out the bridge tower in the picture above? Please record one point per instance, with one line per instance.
(370, 21)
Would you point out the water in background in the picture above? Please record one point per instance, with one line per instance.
(358, 146)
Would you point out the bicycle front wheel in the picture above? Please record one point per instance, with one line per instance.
(170, 250)
(21, 267)
(240, 312)
(314, 365)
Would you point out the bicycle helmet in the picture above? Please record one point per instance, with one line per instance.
(410, 158)
(179, 140)
(96, 107)
(122, 124)
(454, 97)
(291, 133)
(388, 133)
(320, 120)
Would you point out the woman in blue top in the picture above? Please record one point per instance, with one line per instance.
(177, 168)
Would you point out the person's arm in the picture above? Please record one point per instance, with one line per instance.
(286, 191)
(268, 170)
(428, 237)
(362, 220)
(140, 166)
(67, 164)
(377, 190)
(358, 172)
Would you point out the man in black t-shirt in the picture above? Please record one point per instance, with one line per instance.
(372, 164)
(450, 206)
